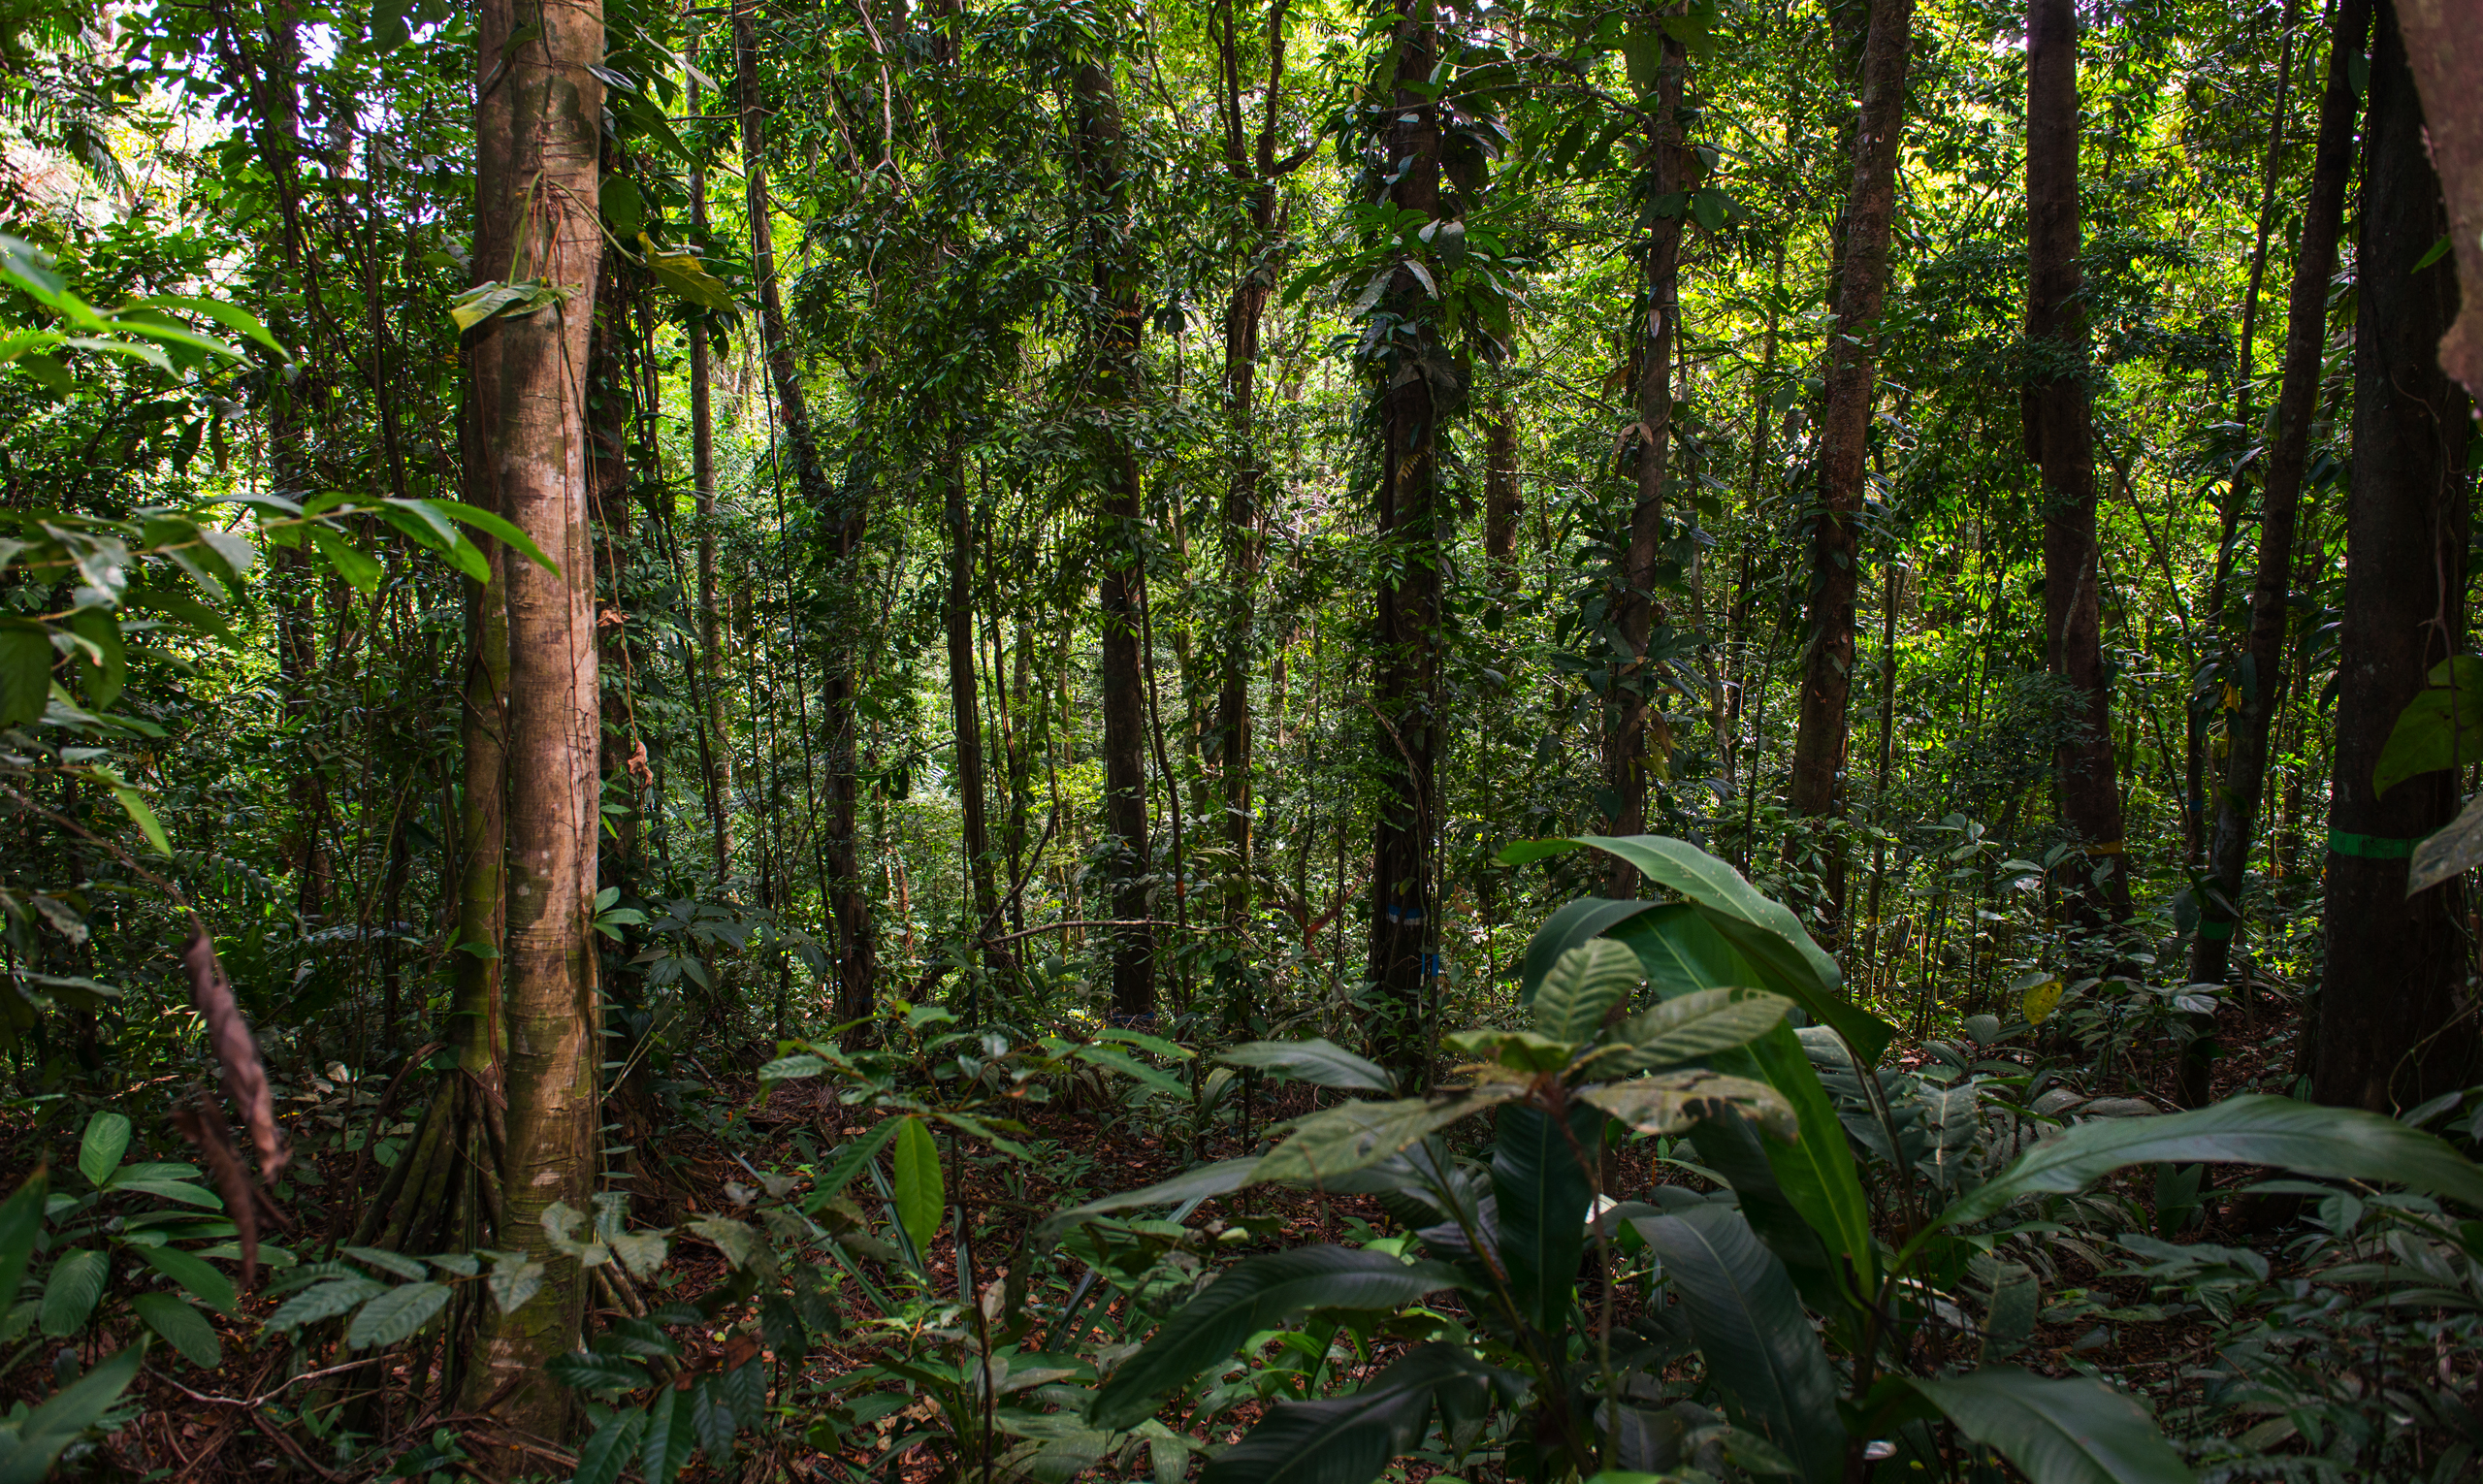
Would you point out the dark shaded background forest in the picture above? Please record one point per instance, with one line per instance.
(714, 657)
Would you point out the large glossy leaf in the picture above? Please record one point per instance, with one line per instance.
(69, 1294)
(1759, 1344)
(1259, 1292)
(205, 1284)
(1764, 930)
(919, 1190)
(98, 1152)
(21, 1220)
(1671, 1102)
(1816, 1173)
(1575, 922)
(1542, 1178)
(1348, 1439)
(1354, 1136)
(2067, 1432)
(1321, 1061)
(1733, 1148)
(65, 1417)
(1220, 1179)
(1584, 985)
(182, 1326)
(2339, 1142)
(2441, 727)
(1700, 1023)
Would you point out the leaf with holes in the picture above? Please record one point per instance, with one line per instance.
(1671, 1102)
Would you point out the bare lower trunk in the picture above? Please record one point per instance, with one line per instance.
(2444, 48)
(1823, 728)
(1114, 274)
(1503, 500)
(1669, 168)
(1407, 671)
(841, 516)
(2061, 440)
(718, 757)
(965, 710)
(2245, 769)
(2389, 1033)
(537, 126)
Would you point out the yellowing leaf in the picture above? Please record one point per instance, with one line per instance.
(2040, 1001)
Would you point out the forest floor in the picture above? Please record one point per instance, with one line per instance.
(230, 1424)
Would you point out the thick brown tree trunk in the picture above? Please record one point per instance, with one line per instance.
(2444, 48)
(841, 517)
(2061, 439)
(965, 709)
(2388, 1030)
(537, 126)
(1114, 274)
(1823, 728)
(717, 756)
(1504, 501)
(1669, 169)
(1244, 521)
(2246, 767)
(1406, 660)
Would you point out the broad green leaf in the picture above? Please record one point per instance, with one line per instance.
(668, 1439)
(1258, 1293)
(611, 1448)
(1349, 1439)
(1575, 923)
(711, 1422)
(1700, 1023)
(20, 1222)
(684, 278)
(26, 670)
(325, 1301)
(2453, 849)
(205, 1284)
(232, 318)
(1816, 1173)
(1117, 1059)
(2065, 1432)
(1541, 1172)
(1584, 985)
(395, 1314)
(181, 609)
(354, 564)
(496, 526)
(69, 1295)
(1221, 1179)
(98, 1152)
(589, 1370)
(1758, 1343)
(103, 674)
(2441, 727)
(65, 1417)
(1319, 1061)
(920, 1192)
(1671, 1102)
(1523, 1052)
(134, 804)
(514, 1279)
(385, 1261)
(1765, 931)
(182, 1326)
(2339, 1143)
(623, 205)
(1353, 1136)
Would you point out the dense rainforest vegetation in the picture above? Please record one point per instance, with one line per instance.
(1294, 742)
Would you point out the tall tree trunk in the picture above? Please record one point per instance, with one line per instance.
(2389, 1036)
(1405, 682)
(2062, 440)
(537, 125)
(718, 754)
(1503, 501)
(965, 710)
(1823, 728)
(1114, 274)
(2444, 48)
(841, 514)
(1244, 521)
(2246, 767)
(1669, 168)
